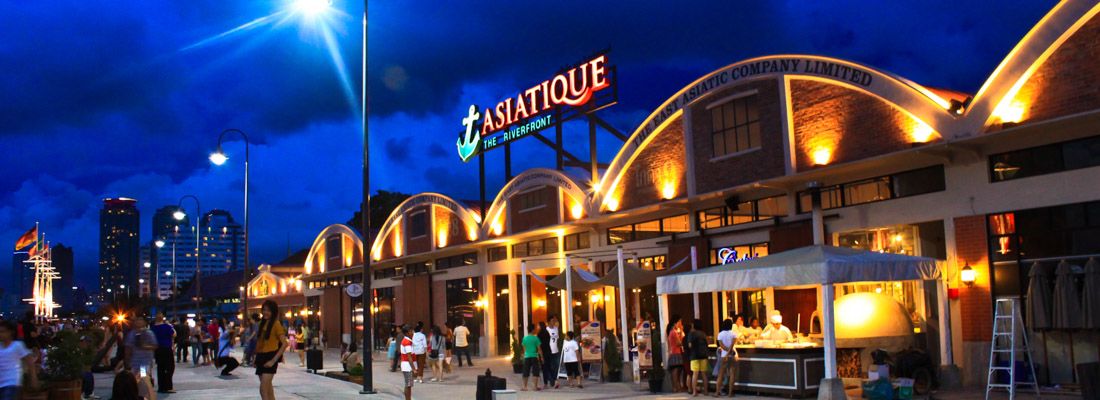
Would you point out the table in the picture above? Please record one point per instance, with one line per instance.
(792, 372)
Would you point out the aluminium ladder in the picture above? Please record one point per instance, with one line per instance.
(1006, 324)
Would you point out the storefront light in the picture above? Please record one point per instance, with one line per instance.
(612, 203)
(1010, 111)
(822, 156)
(668, 190)
(922, 133)
(576, 210)
(967, 275)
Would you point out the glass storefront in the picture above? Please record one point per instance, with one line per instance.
(463, 304)
(383, 315)
(501, 299)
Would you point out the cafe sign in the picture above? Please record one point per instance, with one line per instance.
(531, 110)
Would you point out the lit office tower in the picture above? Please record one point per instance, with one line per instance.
(119, 246)
(65, 285)
(222, 250)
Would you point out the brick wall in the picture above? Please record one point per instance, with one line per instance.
(525, 220)
(748, 167)
(398, 305)
(417, 304)
(853, 124)
(439, 302)
(1069, 81)
(791, 236)
(419, 244)
(971, 247)
(660, 163)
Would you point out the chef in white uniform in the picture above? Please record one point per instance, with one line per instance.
(776, 331)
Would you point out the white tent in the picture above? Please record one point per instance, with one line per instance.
(812, 265)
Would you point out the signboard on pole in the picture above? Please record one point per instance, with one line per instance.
(354, 290)
(643, 340)
(591, 342)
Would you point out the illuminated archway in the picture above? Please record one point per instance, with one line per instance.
(347, 235)
(468, 218)
(916, 100)
(534, 178)
(994, 100)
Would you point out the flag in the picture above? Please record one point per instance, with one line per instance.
(34, 251)
(27, 239)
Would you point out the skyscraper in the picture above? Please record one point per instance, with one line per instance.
(63, 287)
(222, 251)
(119, 246)
(164, 223)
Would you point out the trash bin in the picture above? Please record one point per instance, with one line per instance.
(1089, 375)
(487, 383)
(315, 360)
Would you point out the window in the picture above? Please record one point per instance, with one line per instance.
(535, 247)
(417, 268)
(530, 200)
(735, 126)
(730, 254)
(902, 184)
(648, 229)
(519, 250)
(550, 246)
(654, 263)
(498, 253)
(456, 261)
(747, 211)
(1041, 160)
(576, 241)
(418, 224)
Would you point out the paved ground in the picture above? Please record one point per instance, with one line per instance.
(293, 382)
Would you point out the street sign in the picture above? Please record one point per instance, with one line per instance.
(354, 290)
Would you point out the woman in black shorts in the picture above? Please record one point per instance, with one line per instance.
(270, 345)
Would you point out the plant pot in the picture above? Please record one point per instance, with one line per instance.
(655, 385)
(65, 390)
(517, 368)
(614, 376)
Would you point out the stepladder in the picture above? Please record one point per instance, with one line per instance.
(1009, 347)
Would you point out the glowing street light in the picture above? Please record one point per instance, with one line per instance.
(159, 243)
(312, 7)
(218, 157)
(179, 215)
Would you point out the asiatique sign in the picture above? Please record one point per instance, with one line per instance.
(531, 110)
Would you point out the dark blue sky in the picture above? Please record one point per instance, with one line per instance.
(117, 98)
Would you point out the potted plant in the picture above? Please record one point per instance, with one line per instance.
(517, 353)
(66, 362)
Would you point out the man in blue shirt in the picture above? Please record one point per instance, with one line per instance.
(166, 365)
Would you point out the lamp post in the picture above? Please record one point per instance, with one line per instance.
(368, 320)
(153, 278)
(219, 158)
(179, 215)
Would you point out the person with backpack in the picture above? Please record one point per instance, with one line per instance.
(436, 350)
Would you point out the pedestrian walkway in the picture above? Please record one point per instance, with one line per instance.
(293, 382)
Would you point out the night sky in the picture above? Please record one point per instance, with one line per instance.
(117, 98)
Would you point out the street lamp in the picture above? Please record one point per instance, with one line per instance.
(180, 215)
(368, 320)
(312, 7)
(218, 157)
(159, 243)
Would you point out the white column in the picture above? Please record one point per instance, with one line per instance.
(569, 295)
(947, 356)
(622, 305)
(662, 316)
(695, 266)
(526, 307)
(828, 327)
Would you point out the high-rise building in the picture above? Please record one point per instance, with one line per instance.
(222, 244)
(119, 246)
(165, 223)
(63, 287)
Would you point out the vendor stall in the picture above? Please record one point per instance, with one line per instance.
(796, 365)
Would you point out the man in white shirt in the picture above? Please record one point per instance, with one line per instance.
(407, 361)
(14, 357)
(462, 343)
(570, 357)
(776, 331)
(727, 354)
(420, 349)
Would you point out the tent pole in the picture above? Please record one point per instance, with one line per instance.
(622, 304)
(662, 311)
(569, 294)
(526, 309)
(695, 266)
(829, 329)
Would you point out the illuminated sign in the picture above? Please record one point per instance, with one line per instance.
(533, 109)
(728, 255)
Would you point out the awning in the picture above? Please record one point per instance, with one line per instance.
(811, 265)
(636, 277)
(583, 280)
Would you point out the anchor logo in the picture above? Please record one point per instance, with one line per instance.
(467, 144)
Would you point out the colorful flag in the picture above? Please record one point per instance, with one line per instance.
(37, 250)
(29, 238)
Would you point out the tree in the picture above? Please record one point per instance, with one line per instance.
(382, 203)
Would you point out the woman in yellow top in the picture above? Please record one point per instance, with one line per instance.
(270, 345)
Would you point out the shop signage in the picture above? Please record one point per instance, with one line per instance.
(354, 290)
(642, 340)
(532, 110)
(728, 255)
(591, 341)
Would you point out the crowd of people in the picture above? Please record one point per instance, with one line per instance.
(413, 349)
(689, 351)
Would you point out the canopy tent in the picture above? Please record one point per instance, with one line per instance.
(811, 265)
(583, 280)
(635, 277)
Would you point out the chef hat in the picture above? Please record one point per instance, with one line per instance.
(777, 319)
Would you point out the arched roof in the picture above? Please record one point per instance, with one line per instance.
(319, 242)
(1030, 53)
(468, 218)
(914, 99)
(532, 178)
